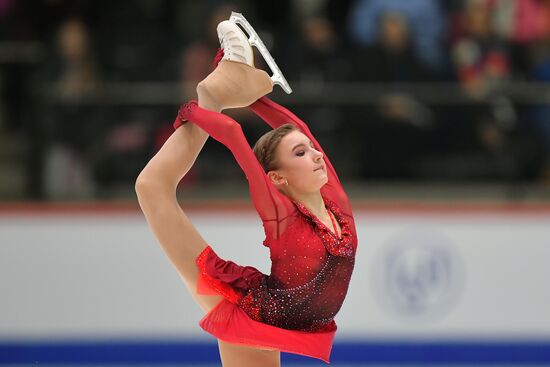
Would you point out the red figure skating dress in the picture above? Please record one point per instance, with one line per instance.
(293, 308)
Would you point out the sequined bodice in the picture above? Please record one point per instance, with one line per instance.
(310, 273)
(311, 267)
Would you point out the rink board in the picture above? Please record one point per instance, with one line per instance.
(439, 285)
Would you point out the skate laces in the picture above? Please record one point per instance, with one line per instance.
(230, 43)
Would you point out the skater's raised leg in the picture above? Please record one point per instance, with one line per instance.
(232, 84)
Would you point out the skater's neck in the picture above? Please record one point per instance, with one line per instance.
(313, 202)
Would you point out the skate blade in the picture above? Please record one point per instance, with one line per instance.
(254, 40)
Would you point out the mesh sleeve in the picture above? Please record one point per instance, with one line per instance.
(272, 206)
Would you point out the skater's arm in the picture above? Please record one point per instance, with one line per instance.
(271, 205)
(276, 115)
(272, 113)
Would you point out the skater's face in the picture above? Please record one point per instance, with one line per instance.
(299, 164)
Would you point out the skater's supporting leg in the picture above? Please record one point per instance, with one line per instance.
(234, 355)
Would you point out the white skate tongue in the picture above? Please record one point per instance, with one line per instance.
(254, 40)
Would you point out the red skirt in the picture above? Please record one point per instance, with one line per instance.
(228, 322)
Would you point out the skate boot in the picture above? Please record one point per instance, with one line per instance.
(234, 43)
(237, 46)
(235, 82)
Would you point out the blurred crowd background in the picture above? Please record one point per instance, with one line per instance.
(415, 92)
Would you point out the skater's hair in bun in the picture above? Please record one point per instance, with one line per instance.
(266, 146)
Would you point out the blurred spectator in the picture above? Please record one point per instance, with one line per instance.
(317, 55)
(398, 129)
(517, 23)
(483, 64)
(481, 60)
(424, 17)
(520, 21)
(391, 58)
(308, 8)
(76, 79)
(86, 140)
(335, 11)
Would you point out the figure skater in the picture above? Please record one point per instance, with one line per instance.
(308, 223)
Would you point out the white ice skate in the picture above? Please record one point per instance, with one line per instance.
(237, 47)
(234, 43)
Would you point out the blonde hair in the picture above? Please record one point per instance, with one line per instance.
(266, 146)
